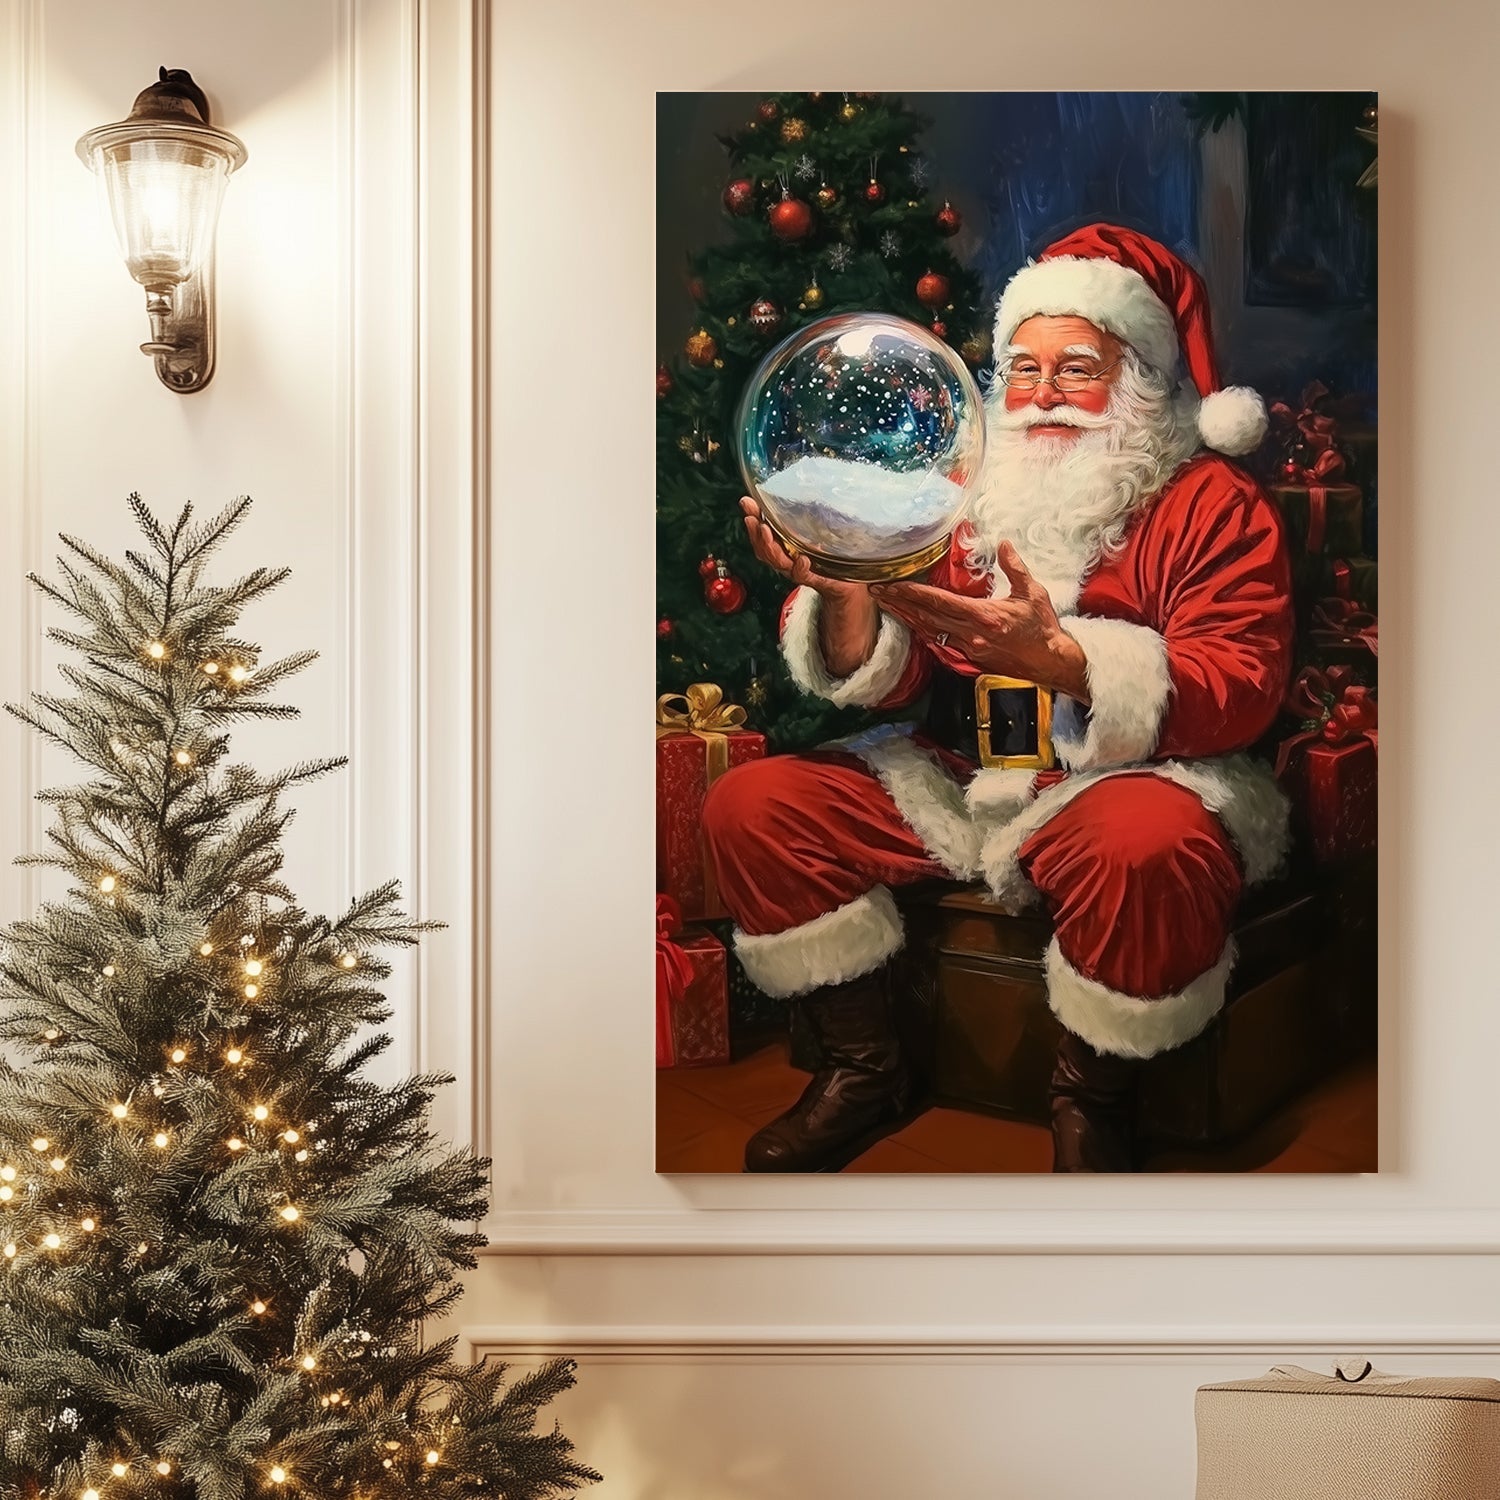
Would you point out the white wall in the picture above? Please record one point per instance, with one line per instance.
(482, 593)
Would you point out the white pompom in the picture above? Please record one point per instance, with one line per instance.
(1233, 420)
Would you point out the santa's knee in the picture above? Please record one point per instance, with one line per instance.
(748, 803)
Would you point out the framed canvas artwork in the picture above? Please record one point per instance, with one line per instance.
(1016, 731)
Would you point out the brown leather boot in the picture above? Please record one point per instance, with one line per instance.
(1093, 1109)
(861, 1091)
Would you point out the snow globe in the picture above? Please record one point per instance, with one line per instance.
(861, 436)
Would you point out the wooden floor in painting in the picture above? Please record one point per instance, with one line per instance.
(704, 1115)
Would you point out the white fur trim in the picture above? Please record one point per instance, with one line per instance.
(1109, 295)
(841, 944)
(862, 688)
(1129, 686)
(996, 794)
(925, 793)
(1242, 793)
(1233, 420)
(1125, 1025)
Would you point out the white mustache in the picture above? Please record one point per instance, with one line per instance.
(1059, 416)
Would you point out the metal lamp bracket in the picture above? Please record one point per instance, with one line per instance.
(182, 330)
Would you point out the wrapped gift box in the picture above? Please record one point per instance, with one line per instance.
(1333, 524)
(699, 1014)
(1335, 789)
(1358, 1434)
(684, 770)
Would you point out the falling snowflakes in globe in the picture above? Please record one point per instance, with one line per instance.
(806, 167)
(890, 244)
(921, 171)
(839, 257)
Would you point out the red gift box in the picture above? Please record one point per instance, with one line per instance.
(1331, 771)
(695, 745)
(692, 1017)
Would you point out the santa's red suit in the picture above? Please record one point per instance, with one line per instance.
(1140, 842)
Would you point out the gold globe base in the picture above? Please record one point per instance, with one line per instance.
(887, 571)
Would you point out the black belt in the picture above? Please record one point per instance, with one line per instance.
(993, 720)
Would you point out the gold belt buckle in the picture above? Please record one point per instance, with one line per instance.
(1044, 757)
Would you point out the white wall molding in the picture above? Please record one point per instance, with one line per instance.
(1000, 1343)
(935, 1232)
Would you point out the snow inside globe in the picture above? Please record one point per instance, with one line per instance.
(860, 436)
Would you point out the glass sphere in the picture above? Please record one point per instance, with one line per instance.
(861, 436)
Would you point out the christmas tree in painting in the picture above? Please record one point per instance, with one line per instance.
(221, 1237)
(830, 207)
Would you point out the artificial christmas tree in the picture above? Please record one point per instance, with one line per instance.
(220, 1238)
(828, 208)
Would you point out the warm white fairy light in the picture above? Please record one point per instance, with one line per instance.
(261, 1112)
(205, 949)
(59, 1164)
(309, 1362)
(290, 1214)
(41, 1143)
(90, 1494)
(7, 1192)
(212, 668)
(253, 966)
(235, 1143)
(179, 1054)
(7, 1173)
(88, 1225)
(52, 1241)
(290, 1137)
(302, 1154)
(433, 1455)
(106, 883)
(108, 971)
(163, 1467)
(155, 650)
(161, 1139)
(10, 1250)
(348, 961)
(119, 1111)
(258, 1308)
(51, 1034)
(278, 1474)
(251, 991)
(234, 1055)
(119, 1470)
(238, 673)
(141, 1250)
(183, 757)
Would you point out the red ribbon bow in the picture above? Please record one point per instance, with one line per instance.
(674, 970)
(1338, 711)
(1338, 621)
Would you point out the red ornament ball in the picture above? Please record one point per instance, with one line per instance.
(874, 192)
(940, 328)
(708, 567)
(700, 348)
(1291, 468)
(932, 290)
(791, 219)
(768, 109)
(664, 381)
(739, 197)
(664, 629)
(765, 316)
(826, 196)
(948, 220)
(724, 593)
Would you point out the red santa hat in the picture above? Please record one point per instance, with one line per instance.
(1133, 287)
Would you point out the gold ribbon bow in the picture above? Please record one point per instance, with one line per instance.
(705, 714)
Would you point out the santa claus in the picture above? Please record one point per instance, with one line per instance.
(1143, 580)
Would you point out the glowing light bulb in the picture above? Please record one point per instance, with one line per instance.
(290, 1137)
(7, 1173)
(235, 1143)
(212, 668)
(155, 650)
(119, 1470)
(179, 1054)
(258, 1307)
(161, 1139)
(119, 1111)
(107, 884)
(51, 1034)
(58, 1163)
(90, 1494)
(52, 1241)
(393, 1446)
(163, 1468)
(348, 961)
(141, 1250)
(7, 1193)
(433, 1455)
(386, 1463)
(108, 971)
(278, 1474)
(10, 1250)
(234, 1055)
(309, 1362)
(88, 1226)
(261, 1112)
(302, 1154)
(251, 991)
(183, 758)
(238, 674)
(205, 949)
(253, 967)
(290, 1214)
(41, 1143)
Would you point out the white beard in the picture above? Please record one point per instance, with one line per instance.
(1066, 503)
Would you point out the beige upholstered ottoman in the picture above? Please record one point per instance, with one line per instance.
(1357, 1434)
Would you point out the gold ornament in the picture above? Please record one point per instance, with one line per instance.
(813, 297)
(976, 349)
(700, 348)
(848, 110)
(793, 130)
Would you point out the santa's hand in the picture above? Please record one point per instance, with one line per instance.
(1015, 637)
(768, 548)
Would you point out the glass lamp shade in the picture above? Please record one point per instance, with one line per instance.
(165, 183)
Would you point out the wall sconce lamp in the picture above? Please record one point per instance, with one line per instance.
(165, 168)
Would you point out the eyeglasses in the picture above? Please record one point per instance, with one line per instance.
(1068, 383)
